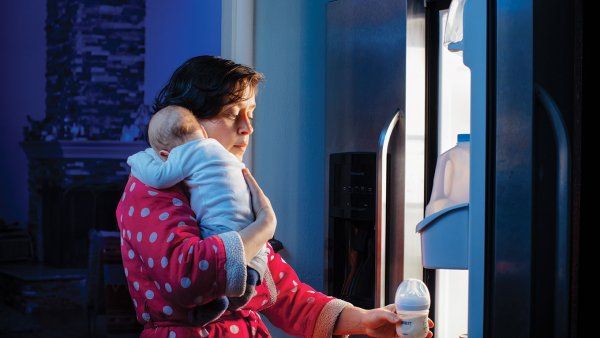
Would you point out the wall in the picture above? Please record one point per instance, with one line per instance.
(175, 31)
(289, 130)
(22, 81)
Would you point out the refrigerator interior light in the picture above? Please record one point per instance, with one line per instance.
(453, 34)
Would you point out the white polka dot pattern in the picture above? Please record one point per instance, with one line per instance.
(167, 310)
(170, 238)
(185, 282)
(151, 230)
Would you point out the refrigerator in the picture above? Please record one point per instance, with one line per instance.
(396, 98)
(375, 146)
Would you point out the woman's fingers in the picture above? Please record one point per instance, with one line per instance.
(254, 188)
(260, 201)
(431, 325)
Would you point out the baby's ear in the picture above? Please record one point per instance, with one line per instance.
(164, 154)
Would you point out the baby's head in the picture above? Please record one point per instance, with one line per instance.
(172, 126)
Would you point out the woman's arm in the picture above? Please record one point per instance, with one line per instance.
(349, 321)
(295, 307)
(379, 322)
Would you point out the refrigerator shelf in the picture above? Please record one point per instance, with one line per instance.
(445, 238)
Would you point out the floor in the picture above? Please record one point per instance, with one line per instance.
(51, 324)
(40, 301)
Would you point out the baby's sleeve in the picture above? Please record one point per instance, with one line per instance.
(154, 172)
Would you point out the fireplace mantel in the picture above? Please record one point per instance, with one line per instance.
(73, 187)
(114, 150)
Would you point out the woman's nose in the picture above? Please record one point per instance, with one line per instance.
(245, 127)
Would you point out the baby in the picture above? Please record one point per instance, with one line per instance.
(219, 194)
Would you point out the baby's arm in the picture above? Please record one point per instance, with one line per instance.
(148, 168)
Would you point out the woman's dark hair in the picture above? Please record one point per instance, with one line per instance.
(204, 84)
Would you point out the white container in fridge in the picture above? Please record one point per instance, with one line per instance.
(445, 228)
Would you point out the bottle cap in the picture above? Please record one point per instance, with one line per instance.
(412, 295)
(464, 138)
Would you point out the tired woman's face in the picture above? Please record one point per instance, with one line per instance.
(232, 127)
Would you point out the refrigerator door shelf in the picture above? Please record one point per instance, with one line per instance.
(445, 238)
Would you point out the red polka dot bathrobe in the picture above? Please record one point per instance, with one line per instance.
(172, 272)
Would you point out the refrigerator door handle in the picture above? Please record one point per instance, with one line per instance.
(563, 183)
(380, 211)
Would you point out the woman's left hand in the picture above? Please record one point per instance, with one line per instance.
(382, 322)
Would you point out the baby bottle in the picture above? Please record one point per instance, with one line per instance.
(412, 305)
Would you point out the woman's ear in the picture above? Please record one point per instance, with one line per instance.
(164, 154)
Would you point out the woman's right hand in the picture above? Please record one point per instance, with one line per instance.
(262, 229)
(260, 202)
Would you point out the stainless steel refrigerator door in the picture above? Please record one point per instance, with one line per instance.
(366, 67)
(366, 50)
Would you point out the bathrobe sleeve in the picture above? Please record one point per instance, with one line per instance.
(298, 309)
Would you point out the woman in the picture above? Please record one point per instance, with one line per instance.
(172, 272)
